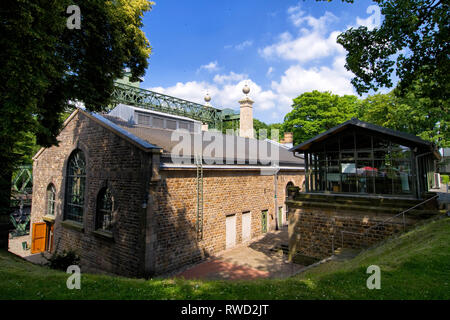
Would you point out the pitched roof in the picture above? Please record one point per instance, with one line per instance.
(248, 154)
(410, 138)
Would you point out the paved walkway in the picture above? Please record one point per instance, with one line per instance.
(15, 246)
(262, 258)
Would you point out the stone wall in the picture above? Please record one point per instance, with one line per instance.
(111, 161)
(315, 231)
(224, 193)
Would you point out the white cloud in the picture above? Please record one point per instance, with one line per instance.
(297, 79)
(312, 43)
(224, 94)
(269, 71)
(243, 45)
(373, 21)
(212, 66)
(223, 78)
(240, 46)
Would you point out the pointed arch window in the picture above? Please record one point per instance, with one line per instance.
(105, 208)
(51, 199)
(76, 184)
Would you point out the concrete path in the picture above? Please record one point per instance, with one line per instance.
(262, 258)
(15, 246)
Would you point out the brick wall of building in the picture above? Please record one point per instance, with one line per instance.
(224, 193)
(111, 161)
(312, 230)
(115, 162)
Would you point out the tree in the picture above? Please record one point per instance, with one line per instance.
(413, 41)
(409, 113)
(418, 32)
(315, 112)
(257, 125)
(47, 67)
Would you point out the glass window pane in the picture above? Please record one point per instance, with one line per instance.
(363, 141)
(158, 122)
(365, 176)
(171, 124)
(183, 125)
(75, 189)
(381, 154)
(333, 176)
(348, 155)
(105, 205)
(400, 152)
(332, 145)
(348, 142)
(380, 143)
(51, 198)
(402, 178)
(383, 177)
(364, 154)
(348, 171)
(143, 119)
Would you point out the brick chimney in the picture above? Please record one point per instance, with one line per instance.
(246, 115)
(288, 139)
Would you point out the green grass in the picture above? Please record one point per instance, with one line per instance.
(415, 265)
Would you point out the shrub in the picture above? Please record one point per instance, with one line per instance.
(445, 179)
(64, 260)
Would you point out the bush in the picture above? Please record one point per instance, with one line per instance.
(445, 179)
(64, 260)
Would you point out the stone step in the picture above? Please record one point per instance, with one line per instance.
(419, 213)
(367, 198)
(282, 247)
(384, 202)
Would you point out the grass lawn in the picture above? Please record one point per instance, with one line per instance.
(415, 265)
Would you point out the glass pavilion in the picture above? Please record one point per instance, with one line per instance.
(361, 158)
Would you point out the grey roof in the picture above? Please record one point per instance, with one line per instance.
(126, 133)
(163, 138)
(412, 139)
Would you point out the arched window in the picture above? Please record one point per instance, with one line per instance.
(75, 190)
(51, 199)
(105, 208)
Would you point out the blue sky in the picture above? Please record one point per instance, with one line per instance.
(279, 48)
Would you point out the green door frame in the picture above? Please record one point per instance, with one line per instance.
(264, 221)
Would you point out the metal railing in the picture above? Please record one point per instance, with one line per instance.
(366, 232)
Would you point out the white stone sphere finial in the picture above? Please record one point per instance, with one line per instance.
(246, 89)
(207, 98)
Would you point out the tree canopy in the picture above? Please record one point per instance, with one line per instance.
(410, 113)
(412, 41)
(47, 67)
(314, 112)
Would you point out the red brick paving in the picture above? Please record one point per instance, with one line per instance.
(217, 269)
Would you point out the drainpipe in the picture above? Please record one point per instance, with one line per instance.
(417, 171)
(275, 202)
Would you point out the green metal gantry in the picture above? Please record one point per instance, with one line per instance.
(135, 96)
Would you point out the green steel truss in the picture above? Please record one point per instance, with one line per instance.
(147, 99)
(21, 186)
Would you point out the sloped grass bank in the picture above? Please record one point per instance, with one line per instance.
(415, 265)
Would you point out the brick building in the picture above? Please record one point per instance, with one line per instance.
(119, 192)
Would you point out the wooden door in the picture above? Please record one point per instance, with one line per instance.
(246, 226)
(280, 217)
(230, 231)
(50, 237)
(264, 221)
(39, 237)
